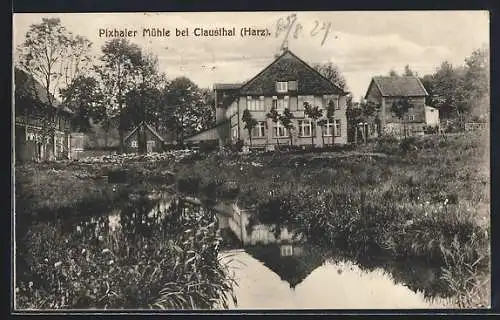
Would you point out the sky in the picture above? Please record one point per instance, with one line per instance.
(362, 44)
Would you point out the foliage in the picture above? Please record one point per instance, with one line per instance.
(286, 120)
(120, 65)
(155, 261)
(313, 113)
(53, 57)
(84, 97)
(249, 122)
(408, 72)
(332, 73)
(400, 108)
(189, 109)
(275, 117)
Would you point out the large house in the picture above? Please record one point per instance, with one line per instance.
(384, 91)
(287, 83)
(42, 129)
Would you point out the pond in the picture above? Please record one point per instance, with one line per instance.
(279, 274)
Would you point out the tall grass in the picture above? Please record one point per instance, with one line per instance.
(418, 202)
(167, 260)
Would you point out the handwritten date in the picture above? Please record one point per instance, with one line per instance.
(292, 28)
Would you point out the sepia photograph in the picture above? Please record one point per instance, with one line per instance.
(251, 160)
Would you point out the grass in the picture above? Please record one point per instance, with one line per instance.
(67, 257)
(414, 200)
(421, 201)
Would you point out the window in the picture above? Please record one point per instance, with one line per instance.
(255, 104)
(305, 128)
(286, 250)
(292, 85)
(328, 129)
(318, 102)
(151, 143)
(134, 144)
(338, 131)
(280, 131)
(260, 130)
(282, 104)
(282, 86)
(411, 117)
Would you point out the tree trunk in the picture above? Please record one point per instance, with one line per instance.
(322, 138)
(250, 137)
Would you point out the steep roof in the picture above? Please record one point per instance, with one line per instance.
(289, 67)
(399, 86)
(150, 128)
(28, 87)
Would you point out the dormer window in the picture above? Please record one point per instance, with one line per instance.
(282, 86)
(292, 85)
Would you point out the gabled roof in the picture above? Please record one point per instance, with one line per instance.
(227, 86)
(289, 67)
(28, 87)
(398, 86)
(150, 128)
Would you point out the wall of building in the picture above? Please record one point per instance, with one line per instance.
(297, 110)
(431, 116)
(129, 148)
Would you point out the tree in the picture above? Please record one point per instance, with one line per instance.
(250, 123)
(286, 121)
(330, 117)
(275, 117)
(400, 108)
(314, 113)
(332, 73)
(83, 95)
(393, 73)
(476, 87)
(119, 69)
(447, 89)
(408, 72)
(184, 99)
(53, 57)
(428, 84)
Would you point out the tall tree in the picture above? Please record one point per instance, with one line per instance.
(120, 61)
(313, 113)
(52, 56)
(447, 89)
(400, 108)
(332, 73)
(183, 98)
(84, 97)
(249, 122)
(275, 118)
(286, 119)
(476, 86)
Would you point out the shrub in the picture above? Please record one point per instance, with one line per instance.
(387, 144)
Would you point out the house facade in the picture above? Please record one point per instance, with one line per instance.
(153, 140)
(387, 90)
(42, 129)
(287, 83)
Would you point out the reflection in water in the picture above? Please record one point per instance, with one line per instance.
(341, 285)
(286, 275)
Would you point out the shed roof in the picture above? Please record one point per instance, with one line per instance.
(398, 86)
(150, 128)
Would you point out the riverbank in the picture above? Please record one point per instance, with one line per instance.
(425, 200)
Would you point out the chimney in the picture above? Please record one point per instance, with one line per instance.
(282, 49)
